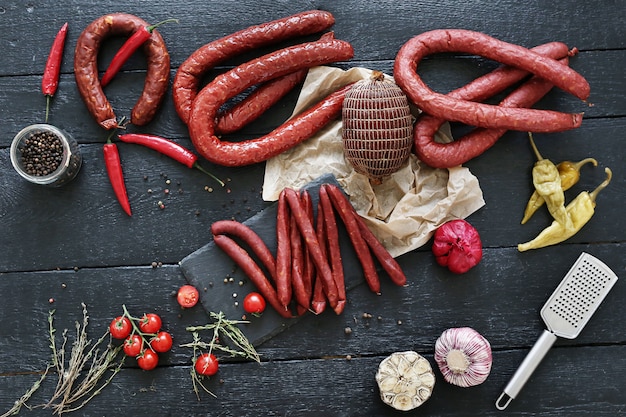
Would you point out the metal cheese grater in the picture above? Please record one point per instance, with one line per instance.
(565, 314)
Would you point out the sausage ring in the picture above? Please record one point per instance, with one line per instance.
(478, 114)
(189, 75)
(86, 69)
(471, 145)
(238, 79)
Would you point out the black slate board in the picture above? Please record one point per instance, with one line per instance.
(223, 285)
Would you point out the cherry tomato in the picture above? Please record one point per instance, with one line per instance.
(148, 360)
(187, 296)
(206, 364)
(133, 345)
(150, 323)
(254, 303)
(162, 342)
(120, 327)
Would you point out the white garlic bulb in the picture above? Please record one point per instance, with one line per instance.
(405, 380)
(464, 356)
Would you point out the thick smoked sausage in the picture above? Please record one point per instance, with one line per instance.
(257, 102)
(227, 85)
(189, 75)
(478, 114)
(446, 155)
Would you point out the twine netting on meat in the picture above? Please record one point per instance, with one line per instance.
(377, 127)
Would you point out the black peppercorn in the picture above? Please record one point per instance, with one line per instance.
(42, 153)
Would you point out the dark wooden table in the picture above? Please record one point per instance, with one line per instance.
(63, 247)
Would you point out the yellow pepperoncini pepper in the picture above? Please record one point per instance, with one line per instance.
(547, 182)
(580, 210)
(570, 174)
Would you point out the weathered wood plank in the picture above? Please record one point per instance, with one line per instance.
(75, 245)
(377, 29)
(500, 298)
(341, 387)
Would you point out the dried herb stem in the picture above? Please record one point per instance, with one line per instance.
(223, 330)
(21, 402)
(228, 330)
(86, 358)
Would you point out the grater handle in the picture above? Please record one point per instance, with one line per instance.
(526, 369)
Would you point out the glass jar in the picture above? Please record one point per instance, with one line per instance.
(44, 154)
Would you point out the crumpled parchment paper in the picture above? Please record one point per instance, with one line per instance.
(403, 211)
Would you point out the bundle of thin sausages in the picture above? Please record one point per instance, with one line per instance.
(307, 271)
(275, 74)
(547, 62)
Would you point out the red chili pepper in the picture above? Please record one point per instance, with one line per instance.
(167, 148)
(128, 48)
(50, 80)
(116, 177)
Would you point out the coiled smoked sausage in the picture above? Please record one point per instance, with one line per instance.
(471, 145)
(86, 69)
(227, 85)
(189, 75)
(479, 114)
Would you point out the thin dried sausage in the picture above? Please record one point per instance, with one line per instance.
(471, 145)
(189, 75)
(318, 304)
(252, 270)
(250, 237)
(86, 69)
(327, 216)
(283, 252)
(309, 266)
(310, 238)
(479, 114)
(389, 264)
(345, 210)
(235, 81)
(297, 267)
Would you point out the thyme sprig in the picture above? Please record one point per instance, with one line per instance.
(226, 337)
(83, 375)
(22, 401)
